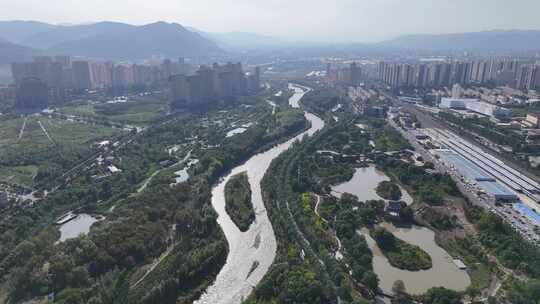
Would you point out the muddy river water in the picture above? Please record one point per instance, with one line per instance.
(255, 248)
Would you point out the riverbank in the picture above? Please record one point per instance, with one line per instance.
(238, 201)
(252, 252)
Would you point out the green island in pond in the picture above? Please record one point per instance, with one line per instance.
(401, 254)
(389, 190)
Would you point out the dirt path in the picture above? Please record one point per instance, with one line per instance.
(160, 259)
(338, 254)
(45, 131)
(149, 179)
(21, 132)
(154, 265)
(317, 208)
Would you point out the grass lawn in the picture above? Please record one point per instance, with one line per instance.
(480, 275)
(86, 110)
(63, 131)
(20, 175)
(137, 111)
(32, 138)
(21, 158)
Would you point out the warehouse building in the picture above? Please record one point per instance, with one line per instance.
(476, 175)
(473, 105)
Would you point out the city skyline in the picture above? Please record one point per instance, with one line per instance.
(300, 20)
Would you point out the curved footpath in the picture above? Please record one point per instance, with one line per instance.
(255, 248)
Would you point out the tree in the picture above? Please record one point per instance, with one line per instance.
(389, 190)
(406, 214)
(472, 292)
(441, 295)
(78, 277)
(398, 287)
(371, 280)
(400, 294)
(303, 287)
(383, 237)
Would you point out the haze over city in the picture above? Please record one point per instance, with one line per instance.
(270, 152)
(306, 20)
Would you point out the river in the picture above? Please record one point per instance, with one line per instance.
(257, 245)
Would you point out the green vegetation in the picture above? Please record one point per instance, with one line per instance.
(176, 225)
(426, 187)
(440, 295)
(238, 201)
(292, 176)
(388, 139)
(509, 247)
(389, 190)
(18, 175)
(137, 111)
(28, 157)
(527, 292)
(400, 254)
(439, 220)
(321, 101)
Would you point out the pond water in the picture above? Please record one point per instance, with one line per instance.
(79, 225)
(183, 175)
(443, 273)
(363, 184)
(273, 105)
(235, 132)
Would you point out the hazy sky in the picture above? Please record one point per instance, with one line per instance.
(317, 20)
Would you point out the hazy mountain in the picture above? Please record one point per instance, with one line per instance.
(108, 40)
(512, 40)
(18, 31)
(238, 41)
(139, 42)
(10, 52)
(62, 33)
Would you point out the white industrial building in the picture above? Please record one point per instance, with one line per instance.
(473, 105)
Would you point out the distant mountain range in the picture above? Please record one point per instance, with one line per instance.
(18, 31)
(109, 40)
(488, 41)
(10, 52)
(240, 41)
(20, 40)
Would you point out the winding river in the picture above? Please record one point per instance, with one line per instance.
(255, 248)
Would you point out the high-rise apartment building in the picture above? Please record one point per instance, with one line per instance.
(348, 76)
(32, 94)
(210, 84)
(81, 75)
(446, 74)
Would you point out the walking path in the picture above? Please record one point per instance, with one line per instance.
(21, 132)
(45, 131)
(161, 257)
